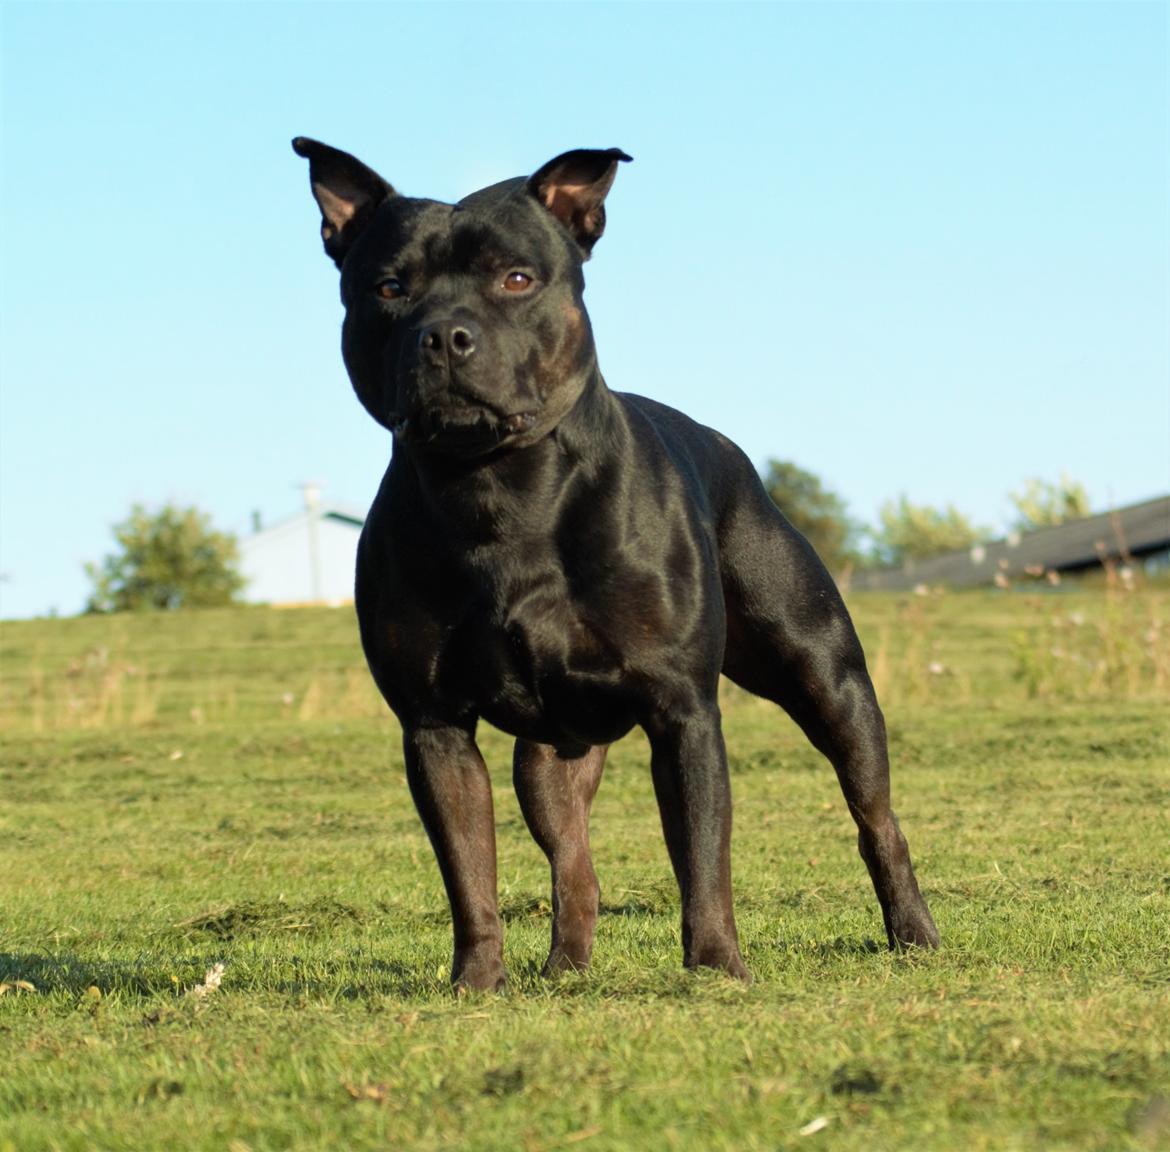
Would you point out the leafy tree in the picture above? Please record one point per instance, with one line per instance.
(912, 531)
(171, 559)
(1042, 504)
(816, 512)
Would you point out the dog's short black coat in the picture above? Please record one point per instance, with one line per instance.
(567, 562)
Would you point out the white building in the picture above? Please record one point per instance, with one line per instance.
(306, 559)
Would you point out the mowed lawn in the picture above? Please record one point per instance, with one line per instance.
(225, 788)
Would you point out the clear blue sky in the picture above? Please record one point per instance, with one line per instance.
(915, 247)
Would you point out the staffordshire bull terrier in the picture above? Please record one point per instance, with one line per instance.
(567, 562)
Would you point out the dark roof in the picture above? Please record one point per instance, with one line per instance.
(1124, 533)
(343, 515)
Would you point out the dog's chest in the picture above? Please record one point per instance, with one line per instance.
(538, 661)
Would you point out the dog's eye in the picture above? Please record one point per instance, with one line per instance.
(517, 282)
(390, 288)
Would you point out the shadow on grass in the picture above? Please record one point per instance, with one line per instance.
(651, 903)
(828, 949)
(387, 978)
(69, 975)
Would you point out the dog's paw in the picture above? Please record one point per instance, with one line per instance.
(913, 930)
(479, 972)
(562, 960)
(725, 958)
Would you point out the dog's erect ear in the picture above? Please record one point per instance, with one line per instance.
(346, 191)
(573, 188)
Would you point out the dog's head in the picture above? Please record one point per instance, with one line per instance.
(464, 326)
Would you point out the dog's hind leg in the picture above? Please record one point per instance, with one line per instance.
(842, 718)
(556, 791)
(790, 640)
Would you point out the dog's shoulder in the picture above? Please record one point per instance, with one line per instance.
(686, 440)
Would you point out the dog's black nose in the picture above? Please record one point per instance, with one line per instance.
(455, 339)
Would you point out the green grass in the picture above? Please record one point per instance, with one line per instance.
(225, 787)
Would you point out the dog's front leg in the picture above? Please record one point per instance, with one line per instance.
(689, 765)
(453, 794)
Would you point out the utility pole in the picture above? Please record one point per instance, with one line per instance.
(312, 495)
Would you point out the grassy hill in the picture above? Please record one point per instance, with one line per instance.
(179, 792)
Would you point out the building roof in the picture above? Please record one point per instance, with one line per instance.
(339, 513)
(1122, 534)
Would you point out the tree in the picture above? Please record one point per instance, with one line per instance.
(816, 512)
(166, 560)
(1042, 504)
(912, 531)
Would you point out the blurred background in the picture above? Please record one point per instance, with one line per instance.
(917, 250)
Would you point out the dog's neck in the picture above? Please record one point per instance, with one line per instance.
(517, 489)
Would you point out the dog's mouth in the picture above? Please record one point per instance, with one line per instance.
(461, 428)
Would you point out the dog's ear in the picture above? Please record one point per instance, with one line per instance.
(346, 191)
(573, 188)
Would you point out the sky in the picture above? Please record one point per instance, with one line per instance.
(914, 247)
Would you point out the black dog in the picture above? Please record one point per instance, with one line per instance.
(568, 562)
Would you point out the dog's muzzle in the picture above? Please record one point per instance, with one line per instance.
(460, 428)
